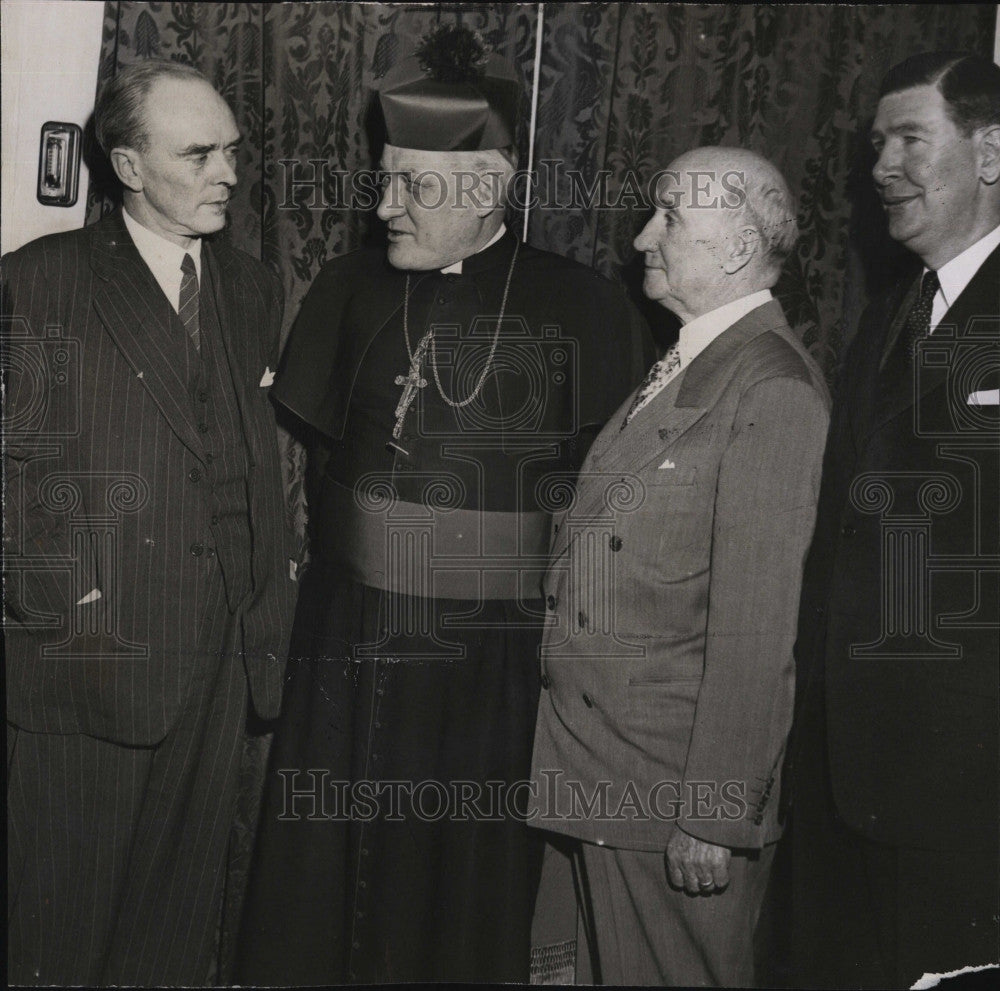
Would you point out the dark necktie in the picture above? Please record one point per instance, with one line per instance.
(188, 311)
(918, 320)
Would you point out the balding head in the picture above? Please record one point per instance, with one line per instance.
(723, 227)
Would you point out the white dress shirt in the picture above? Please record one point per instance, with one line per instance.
(163, 258)
(957, 274)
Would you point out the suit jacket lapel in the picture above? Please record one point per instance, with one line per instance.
(229, 309)
(980, 298)
(137, 315)
(675, 410)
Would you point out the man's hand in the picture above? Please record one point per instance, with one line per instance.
(696, 866)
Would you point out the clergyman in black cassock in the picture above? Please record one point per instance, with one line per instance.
(446, 394)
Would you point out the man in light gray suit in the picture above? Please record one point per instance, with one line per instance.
(672, 593)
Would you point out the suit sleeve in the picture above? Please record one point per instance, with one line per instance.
(34, 427)
(765, 510)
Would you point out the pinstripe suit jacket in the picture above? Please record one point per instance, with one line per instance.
(672, 593)
(103, 581)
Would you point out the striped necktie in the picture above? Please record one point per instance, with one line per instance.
(659, 375)
(188, 310)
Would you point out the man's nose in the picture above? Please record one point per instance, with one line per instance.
(390, 203)
(227, 171)
(644, 239)
(886, 165)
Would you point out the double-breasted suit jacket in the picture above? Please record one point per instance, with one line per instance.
(110, 534)
(898, 642)
(672, 594)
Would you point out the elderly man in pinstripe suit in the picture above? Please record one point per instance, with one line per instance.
(147, 592)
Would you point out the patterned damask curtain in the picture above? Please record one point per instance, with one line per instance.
(624, 88)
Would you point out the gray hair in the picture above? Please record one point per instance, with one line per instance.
(119, 117)
(768, 206)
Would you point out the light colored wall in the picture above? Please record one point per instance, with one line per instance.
(50, 54)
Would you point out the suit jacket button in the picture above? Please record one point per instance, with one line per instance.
(551, 602)
(195, 474)
(616, 543)
(588, 701)
(545, 681)
(197, 550)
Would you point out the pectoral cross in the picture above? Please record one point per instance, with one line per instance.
(411, 382)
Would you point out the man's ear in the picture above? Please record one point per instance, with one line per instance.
(740, 248)
(988, 141)
(491, 193)
(123, 161)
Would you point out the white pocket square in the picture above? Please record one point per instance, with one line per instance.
(668, 464)
(988, 397)
(92, 596)
(268, 378)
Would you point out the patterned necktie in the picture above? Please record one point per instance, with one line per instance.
(188, 310)
(918, 320)
(659, 375)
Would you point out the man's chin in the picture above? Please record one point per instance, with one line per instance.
(409, 261)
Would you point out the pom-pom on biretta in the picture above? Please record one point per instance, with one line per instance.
(453, 94)
(450, 53)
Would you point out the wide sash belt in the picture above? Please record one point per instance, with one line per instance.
(432, 552)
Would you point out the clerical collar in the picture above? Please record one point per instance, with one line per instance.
(456, 267)
(700, 332)
(163, 257)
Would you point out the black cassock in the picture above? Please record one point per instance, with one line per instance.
(392, 845)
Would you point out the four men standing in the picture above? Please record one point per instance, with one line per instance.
(448, 390)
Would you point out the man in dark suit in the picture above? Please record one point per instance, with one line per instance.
(672, 592)
(147, 593)
(894, 754)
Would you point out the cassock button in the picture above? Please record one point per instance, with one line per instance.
(551, 602)
(616, 543)
(848, 531)
(545, 682)
(588, 701)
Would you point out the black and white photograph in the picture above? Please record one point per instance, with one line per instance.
(501, 493)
